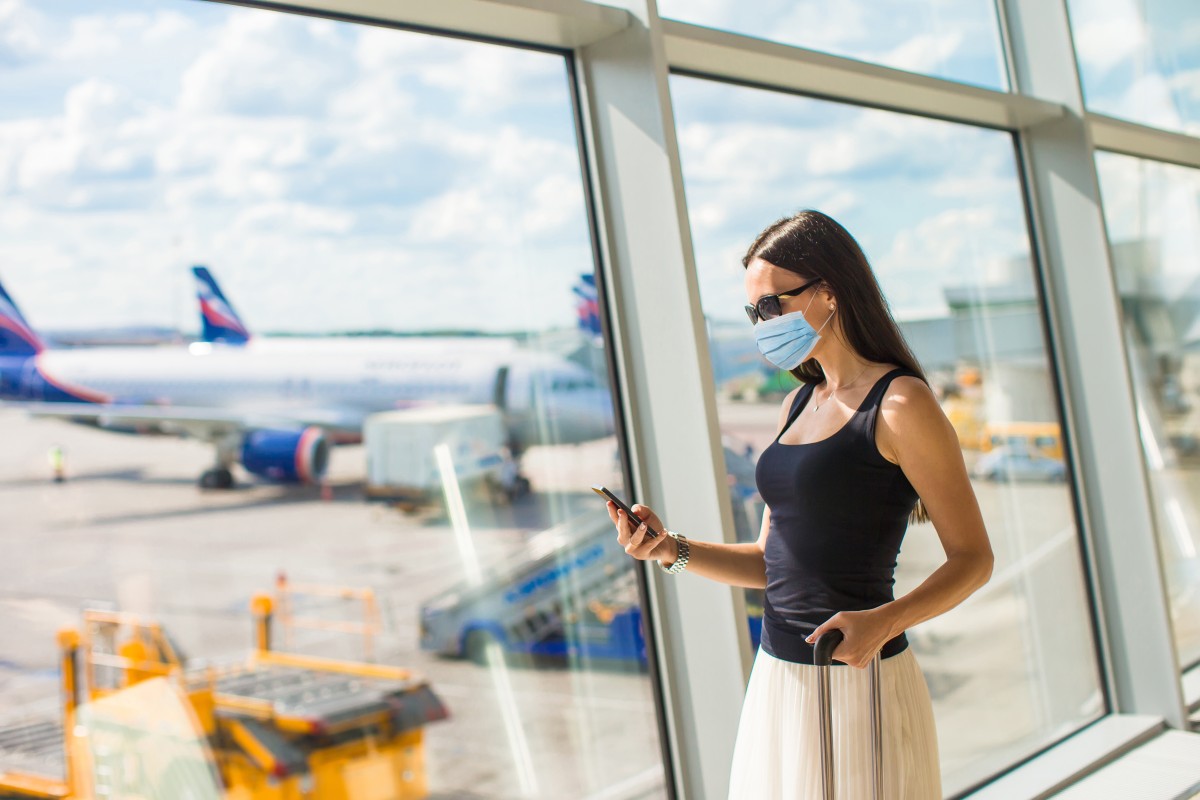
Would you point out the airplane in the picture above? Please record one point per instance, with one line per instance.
(276, 411)
(220, 324)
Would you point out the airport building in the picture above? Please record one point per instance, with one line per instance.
(319, 319)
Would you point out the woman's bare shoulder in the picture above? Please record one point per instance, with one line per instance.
(908, 406)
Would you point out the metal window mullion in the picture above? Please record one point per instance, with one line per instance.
(1084, 310)
(1057, 356)
(666, 388)
(721, 55)
(554, 24)
(1143, 141)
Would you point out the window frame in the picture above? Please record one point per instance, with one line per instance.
(623, 56)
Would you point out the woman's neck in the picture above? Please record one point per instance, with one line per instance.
(843, 369)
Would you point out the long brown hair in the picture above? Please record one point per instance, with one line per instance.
(814, 245)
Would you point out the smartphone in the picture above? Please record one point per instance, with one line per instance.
(619, 503)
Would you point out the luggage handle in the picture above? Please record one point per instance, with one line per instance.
(823, 659)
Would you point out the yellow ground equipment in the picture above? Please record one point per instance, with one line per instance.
(1039, 437)
(138, 725)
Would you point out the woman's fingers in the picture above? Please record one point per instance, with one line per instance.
(647, 516)
(850, 650)
(637, 539)
(633, 536)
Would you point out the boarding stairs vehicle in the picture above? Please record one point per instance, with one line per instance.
(544, 601)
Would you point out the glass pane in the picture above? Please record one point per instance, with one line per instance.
(938, 210)
(393, 580)
(1152, 211)
(1140, 60)
(954, 39)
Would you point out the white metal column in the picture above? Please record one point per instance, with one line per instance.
(1081, 292)
(669, 398)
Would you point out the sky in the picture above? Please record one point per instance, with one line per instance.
(332, 176)
(338, 177)
(1140, 59)
(1160, 203)
(932, 203)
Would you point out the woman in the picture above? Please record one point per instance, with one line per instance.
(863, 447)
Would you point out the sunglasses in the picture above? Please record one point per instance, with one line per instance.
(769, 307)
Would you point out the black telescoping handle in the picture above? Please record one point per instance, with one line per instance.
(830, 639)
(823, 657)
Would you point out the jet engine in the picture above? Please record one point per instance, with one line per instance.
(287, 456)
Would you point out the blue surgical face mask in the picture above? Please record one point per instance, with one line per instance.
(788, 339)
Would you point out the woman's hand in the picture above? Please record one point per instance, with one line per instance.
(637, 541)
(865, 632)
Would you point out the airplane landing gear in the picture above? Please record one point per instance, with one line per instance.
(221, 474)
(219, 478)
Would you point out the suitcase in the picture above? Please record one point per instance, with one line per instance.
(823, 658)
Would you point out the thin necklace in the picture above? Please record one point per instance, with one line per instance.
(817, 406)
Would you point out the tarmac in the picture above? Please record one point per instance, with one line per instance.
(130, 529)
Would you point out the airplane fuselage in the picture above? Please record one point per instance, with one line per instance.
(334, 386)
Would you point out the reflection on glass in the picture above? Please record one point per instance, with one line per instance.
(1140, 59)
(938, 210)
(1152, 212)
(388, 381)
(954, 39)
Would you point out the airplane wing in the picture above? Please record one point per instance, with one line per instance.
(208, 424)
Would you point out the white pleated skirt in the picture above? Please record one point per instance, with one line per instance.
(778, 751)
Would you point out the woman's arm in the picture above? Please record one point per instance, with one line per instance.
(742, 564)
(916, 433)
(738, 564)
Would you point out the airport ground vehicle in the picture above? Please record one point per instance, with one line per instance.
(402, 451)
(138, 724)
(1038, 437)
(1019, 463)
(572, 593)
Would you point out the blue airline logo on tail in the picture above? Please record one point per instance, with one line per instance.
(16, 337)
(219, 321)
(587, 305)
(22, 375)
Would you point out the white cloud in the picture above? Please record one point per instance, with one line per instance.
(278, 149)
(97, 105)
(1158, 204)
(977, 245)
(100, 36)
(483, 79)
(299, 219)
(932, 203)
(21, 32)
(265, 63)
(1148, 99)
(927, 52)
(1107, 33)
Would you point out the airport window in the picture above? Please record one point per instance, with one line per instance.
(1152, 212)
(938, 209)
(339, 184)
(954, 39)
(1140, 61)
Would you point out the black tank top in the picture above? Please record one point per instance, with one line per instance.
(839, 510)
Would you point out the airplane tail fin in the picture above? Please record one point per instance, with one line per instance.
(218, 320)
(587, 305)
(16, 337)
